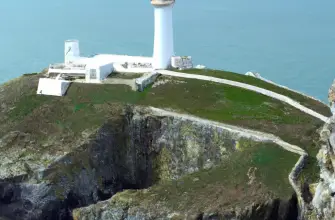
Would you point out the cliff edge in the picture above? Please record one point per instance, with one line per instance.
(181, 149)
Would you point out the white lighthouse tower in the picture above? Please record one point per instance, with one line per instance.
(163, 39)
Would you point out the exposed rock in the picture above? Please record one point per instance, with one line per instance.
(95, 170)
(323, 200)
(121, 207)
(191, 141)
(331, 97)
(131, 151)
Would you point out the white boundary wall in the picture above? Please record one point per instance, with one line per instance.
(118, 68)
(183, 62)
(142, 82)
(52, 87)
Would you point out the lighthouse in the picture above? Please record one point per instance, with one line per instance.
(163, 38)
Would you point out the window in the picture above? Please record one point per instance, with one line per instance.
(93, 74)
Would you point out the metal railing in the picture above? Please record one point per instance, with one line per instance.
(63, 66)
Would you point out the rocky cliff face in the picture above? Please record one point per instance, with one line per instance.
(324, 191)
(122, 207)
(106, 162)
(181, 147)
(132, 151)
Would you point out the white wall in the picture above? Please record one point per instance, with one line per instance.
(69, 71)
(52, 87)
(142, 82)
(105, 70)
(182, 62)
(92, 75)
(100, 72)
(118, 68)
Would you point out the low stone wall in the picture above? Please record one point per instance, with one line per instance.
(120, 68)
(142, 82)
(293, 178)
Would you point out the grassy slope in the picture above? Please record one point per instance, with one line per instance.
(126, 75)
(227, 185)
(309, 103)
(88, 105)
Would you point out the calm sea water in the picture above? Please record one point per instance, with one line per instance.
(289, 42)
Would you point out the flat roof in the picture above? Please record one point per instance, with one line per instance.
(103, 59)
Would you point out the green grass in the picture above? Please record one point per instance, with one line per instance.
(310, 103)
(209, 100)
(89, 105)
(125, 75)
(226, 185)
(220, 103)
(26, 105)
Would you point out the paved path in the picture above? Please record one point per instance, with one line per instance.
(292, 90)
(254, 135)
(249, 87)
(238, 131)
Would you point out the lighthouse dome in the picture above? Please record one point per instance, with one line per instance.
(162, 2)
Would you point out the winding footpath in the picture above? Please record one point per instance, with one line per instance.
(248, 87)
(237, 131)
(255, 135)
(287, 88)
(259, 136)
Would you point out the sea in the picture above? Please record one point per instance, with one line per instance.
(289, 42)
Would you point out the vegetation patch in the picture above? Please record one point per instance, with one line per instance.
(161, 166)
(30, 74)
(249, 176)
(26, 105)
(125, 75)
(88, 105)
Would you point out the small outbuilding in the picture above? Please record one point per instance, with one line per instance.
(96, 69)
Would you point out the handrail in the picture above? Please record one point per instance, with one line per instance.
(68, 66)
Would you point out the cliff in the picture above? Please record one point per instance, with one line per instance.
(322, 205)
(105, 147)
